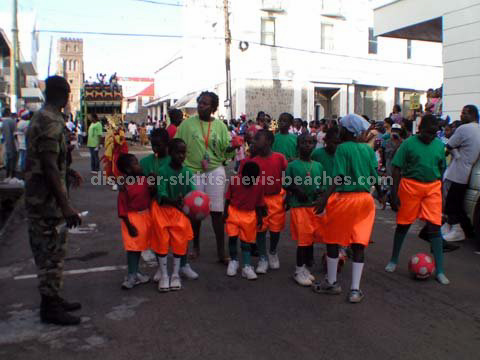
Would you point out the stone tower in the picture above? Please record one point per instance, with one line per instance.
(70, 66)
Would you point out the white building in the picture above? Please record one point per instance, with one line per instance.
(312, 58)
(456, 24)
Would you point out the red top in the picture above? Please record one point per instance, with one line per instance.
(242, 197)
(134, 197)
(172, 130)
(271, 171)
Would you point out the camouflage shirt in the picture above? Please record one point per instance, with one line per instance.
(45, 134)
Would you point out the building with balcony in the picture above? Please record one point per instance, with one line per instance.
(453, 24)
(314, 59)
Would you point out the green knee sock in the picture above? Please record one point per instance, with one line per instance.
(437, 247)
(133, 257)
(183, 260)
(246, 255)
(232, 248)
(399, 237)
(262, 245)
(274, 239)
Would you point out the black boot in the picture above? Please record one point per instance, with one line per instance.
(52, 312)
(69, 306)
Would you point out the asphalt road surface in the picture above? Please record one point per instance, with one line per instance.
(217, 317)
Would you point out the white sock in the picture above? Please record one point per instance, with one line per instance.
(357, 269)
(332, 266)
(162, 262)
(299, 268)
(176, 265)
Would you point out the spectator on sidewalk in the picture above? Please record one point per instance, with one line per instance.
(21, 134)
(176, 117)
(466, 142)
(10, 148)
(93, 143)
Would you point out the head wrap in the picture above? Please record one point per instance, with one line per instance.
(354, 124)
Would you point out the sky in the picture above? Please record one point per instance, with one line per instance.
(128, 56)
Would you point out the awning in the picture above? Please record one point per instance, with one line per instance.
(187, 102)
(32, 94)
(411, 19)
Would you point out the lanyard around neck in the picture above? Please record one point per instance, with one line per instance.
(206, 139)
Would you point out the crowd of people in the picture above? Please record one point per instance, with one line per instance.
(317, 172)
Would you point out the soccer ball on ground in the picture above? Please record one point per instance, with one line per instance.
(421, 266)
(196, 205)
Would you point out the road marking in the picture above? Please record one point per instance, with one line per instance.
(77, 272)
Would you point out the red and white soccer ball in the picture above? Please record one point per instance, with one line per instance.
(421, 266)
(196, 205)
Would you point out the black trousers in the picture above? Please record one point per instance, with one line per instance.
(454, 208)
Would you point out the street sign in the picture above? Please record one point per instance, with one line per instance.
(415, 102)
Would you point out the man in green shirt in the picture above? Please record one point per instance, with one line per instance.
(285, 143)
(94, 135)
(418, 167)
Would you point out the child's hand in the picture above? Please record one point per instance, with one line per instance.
(395, 202)
(132, 231)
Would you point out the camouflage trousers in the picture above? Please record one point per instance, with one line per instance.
(49, 249)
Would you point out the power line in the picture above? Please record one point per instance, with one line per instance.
(109, 33)
(159, 3)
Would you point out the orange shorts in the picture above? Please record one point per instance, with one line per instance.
(276, 214)
(322, 220)
(305, 226)
(350, 219)
(242, 223)
(419, 200)
(143, 223)
(171, 228)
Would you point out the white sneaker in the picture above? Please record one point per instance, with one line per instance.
(232, 268)
(164, 283)
(309, 275)
(301, 277)
(262, 267)
(157, 275)
(249, 273)
(7, 180)
(188, 272)
(133, 280)
(115, 187)
(455, 234)
(445, 229)
(175, 282)
(273, 261)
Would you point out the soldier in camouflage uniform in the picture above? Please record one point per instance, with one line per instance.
(46, 201)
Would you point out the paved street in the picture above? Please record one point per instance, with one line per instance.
(217, 317)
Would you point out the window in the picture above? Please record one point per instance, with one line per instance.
(75, 65)
(67, 48)
(327, 42)
(409, 49)
(75, 48)
(268, 31)
(372, 42)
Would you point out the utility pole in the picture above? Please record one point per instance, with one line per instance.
(50, 56)
(13, 62)
(228, 41)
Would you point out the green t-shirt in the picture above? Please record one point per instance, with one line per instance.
(152, 165)
(296, 173)
(419, 161)
(323, 157)
(286, 144)
(174, 182)
(94, 134)
(358, 164)
(194, 131)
